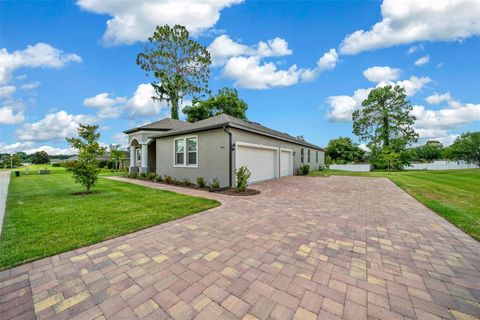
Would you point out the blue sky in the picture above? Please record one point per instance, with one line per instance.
(302, 67)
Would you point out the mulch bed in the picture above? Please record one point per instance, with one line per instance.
(233, 192)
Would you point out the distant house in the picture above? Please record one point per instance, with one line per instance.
(123, 164)
(216, 147)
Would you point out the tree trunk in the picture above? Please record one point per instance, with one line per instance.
(174, 103)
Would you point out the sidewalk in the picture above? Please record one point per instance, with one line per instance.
(4, 180)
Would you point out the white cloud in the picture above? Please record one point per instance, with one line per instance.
(52, 151)
(251, 73)
(9, 116)
(120, 139)
(454, 115)
(40, 55)
(326, 62)
(134, 21)
(379, 74)
(53, 127)
(437, 98)
(30, 85)
(108, 107)
(409, 21)
(341, 107)
(7, 91)
(422, 61)
(414, 49)
(223, 48)
(141, 103)
(29, 148)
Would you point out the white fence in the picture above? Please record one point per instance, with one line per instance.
(351, 167)
(442, 165)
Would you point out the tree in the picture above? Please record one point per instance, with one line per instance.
(385, 120)
(85, 171)
(432, 150)
(180, 64)
(226, 101)
(11, 160)
(466, 147)
(344, 150)
(40, 157)
(115, 154)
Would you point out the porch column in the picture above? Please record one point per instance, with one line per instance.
(133, 166)
(144, 168)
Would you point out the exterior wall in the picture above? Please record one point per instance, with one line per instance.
(213, 161)
(244, 136)
(351, 167)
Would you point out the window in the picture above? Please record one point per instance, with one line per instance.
(186, 152)
(316, 156)
(139, 155)
(308, 153)
(302, 155)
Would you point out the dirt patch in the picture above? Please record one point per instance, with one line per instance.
(233, 192)
(85, 193)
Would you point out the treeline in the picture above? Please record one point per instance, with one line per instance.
(40, 157)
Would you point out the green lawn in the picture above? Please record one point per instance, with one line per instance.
(44, 218)
(453, 194)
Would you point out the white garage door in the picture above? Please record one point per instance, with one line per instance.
(259, 160)
(286, 163)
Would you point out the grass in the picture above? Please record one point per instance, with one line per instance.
(453, 194)
(43, 218)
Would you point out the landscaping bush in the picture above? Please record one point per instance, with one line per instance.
(187, 182)
(133, 175)
(177, 182)
(102, 164)
(151, 176)
(304, 169)
(143, 175)
(201, 182)
(159, 178)
(168, 179)
(69, 164)
(242, 175)
(214, 183)
(56, 165)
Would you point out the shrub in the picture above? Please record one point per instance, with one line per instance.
(159, 178)
(133, 175)
(214, 184)
(56, 164)
(102, 164)
(201, 182)
(177, 182)
(69, 164)
(242, 175)
(187, 182)
(168, 179)
(304, 169)
(151, 176)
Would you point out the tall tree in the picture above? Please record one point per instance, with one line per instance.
(385, 120)
(226, 101)
(343, 149)
(40, 157)
(85, 170)
(432, 150)
(180, 65)
(466, 147)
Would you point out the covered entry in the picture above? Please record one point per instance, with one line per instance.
(261, 160)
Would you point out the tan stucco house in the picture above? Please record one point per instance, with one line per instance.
(215, 147)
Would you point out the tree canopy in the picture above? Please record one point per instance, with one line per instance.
(40, 157)
(180, 65)
(85, 170)
(466, 147)
(226, 101)
(344, 150)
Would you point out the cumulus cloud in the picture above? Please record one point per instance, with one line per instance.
(134, 21)
(437, 98)
(422, 61)
(107, 106)
(341, 107)
(40, 55)
(8, 115)
(53, 127)
(454, 115)
(7, 91)
(326, 62)
(141, 103)
(29, 148)
(409, 21)
(379, 74)
(30, 85)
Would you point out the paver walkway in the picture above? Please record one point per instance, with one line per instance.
(4, 181)
(306, 248)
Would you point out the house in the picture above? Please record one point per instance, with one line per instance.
(105, 157)
(215, 147)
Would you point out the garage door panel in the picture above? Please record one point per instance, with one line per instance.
(260, 162)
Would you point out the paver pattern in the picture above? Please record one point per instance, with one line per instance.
(305, 248)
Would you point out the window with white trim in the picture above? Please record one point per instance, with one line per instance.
(139, 155)
(308, 153)
(186, 151)
(302, 152)
(316, 157)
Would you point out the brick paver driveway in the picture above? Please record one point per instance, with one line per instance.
(306, 248)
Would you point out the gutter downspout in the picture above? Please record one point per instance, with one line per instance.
(230, 150)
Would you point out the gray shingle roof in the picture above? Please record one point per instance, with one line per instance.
(161, 125)
(229, 121)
